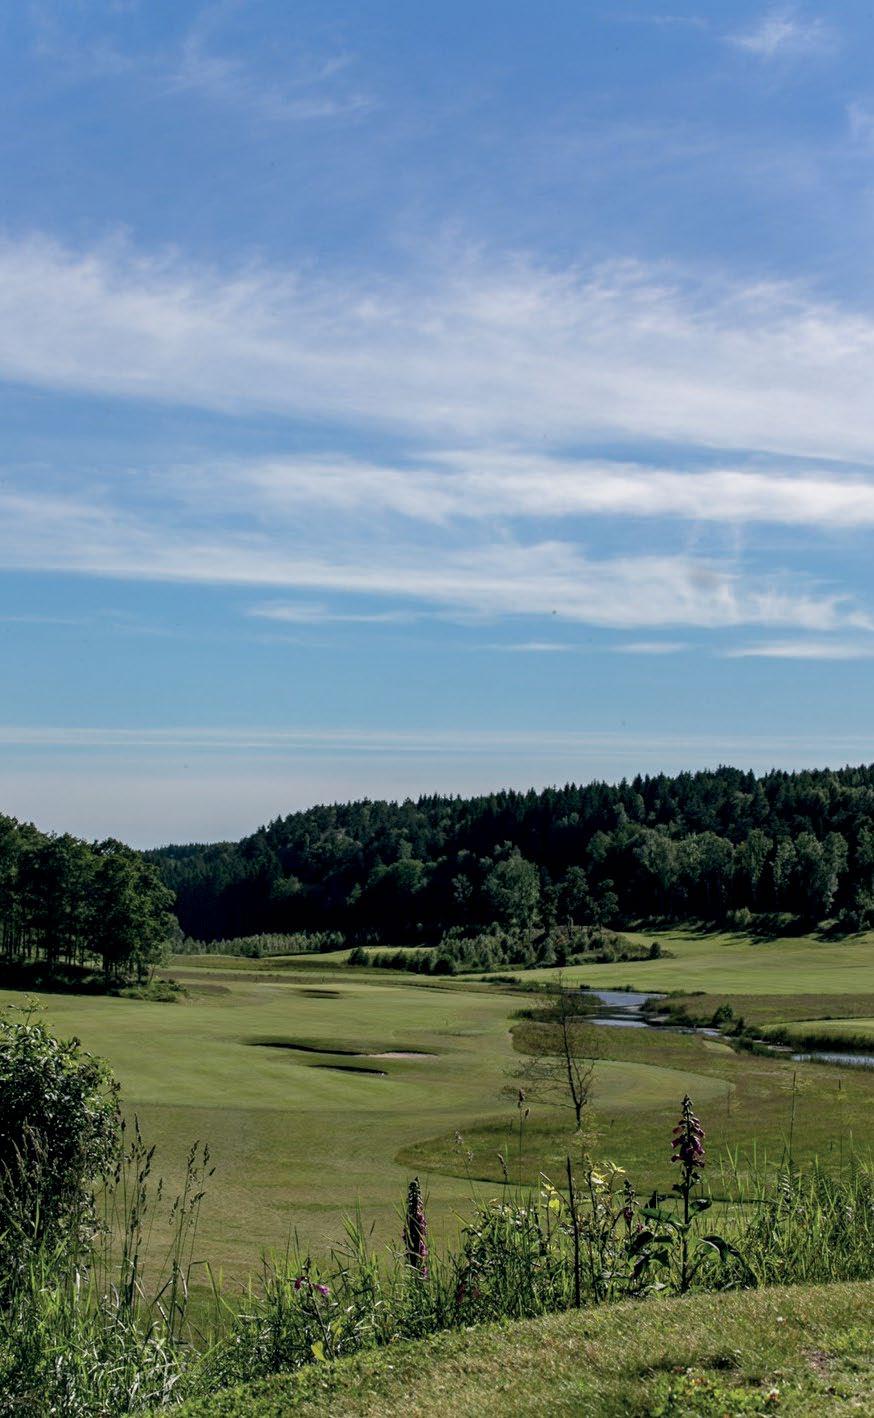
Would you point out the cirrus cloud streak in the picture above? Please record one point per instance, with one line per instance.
(466, 344)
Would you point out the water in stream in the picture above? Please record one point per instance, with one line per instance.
(851, 1060)
(623, 1009)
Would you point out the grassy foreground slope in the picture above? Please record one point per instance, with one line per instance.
(799, 1351)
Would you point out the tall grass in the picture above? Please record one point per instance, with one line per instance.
(812, 1227)
(100, 1332)
(83, 1330)
(820, 1038)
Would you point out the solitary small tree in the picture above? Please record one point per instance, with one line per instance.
(561, 1068)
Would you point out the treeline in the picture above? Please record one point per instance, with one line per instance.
(67, 906)
(493, 949)
(255, 947)
(718, 846)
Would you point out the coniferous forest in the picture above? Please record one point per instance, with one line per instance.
(722, 846)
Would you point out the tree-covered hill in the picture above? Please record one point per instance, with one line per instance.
(702, 845)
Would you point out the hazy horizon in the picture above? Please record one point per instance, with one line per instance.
(121, 807)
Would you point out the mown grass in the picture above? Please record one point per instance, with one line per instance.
(804, 1350)
(299, 961)
(754, 1106)
(735, 963)
(295, 1146)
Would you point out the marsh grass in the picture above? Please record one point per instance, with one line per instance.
(819, 1036)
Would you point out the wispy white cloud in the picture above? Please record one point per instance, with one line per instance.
(860, 119)
(469, 347)
(507, 577)
(666, 20)
(310, 93)
(209, 65)
(206, 739)
(803, 650)
(482, 483)
(651, 647)
(784, 32)
(41, 620)
(532, 647)
(309, 613)
(486, 352)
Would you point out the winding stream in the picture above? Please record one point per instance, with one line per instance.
(623, 1009)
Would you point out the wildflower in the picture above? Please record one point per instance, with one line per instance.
(550, 1196)
(687, 1141)
(628, 1198)
(416, 1230)
(324, 1291)
(299, 1282)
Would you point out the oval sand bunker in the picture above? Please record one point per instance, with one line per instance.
(401, 1054)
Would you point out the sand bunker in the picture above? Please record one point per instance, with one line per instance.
(401, 1054)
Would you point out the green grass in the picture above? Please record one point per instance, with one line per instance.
(747, 1103)
(298, 1141)
(861, 1029)
(802, 1351)
(298, 961)
(773, 1009)
(737, 964)
(296, 1146)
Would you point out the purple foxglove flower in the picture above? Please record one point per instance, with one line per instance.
(416, 1230)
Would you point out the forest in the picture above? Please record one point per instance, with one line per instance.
(722, 846)
(69, 908)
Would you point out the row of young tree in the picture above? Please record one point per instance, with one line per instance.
(716, 846)
(68, 906)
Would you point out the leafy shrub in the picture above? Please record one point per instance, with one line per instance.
(59, 1133)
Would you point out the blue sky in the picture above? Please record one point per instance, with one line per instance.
(400, 398)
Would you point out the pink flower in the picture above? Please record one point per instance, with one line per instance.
(416, 1230)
